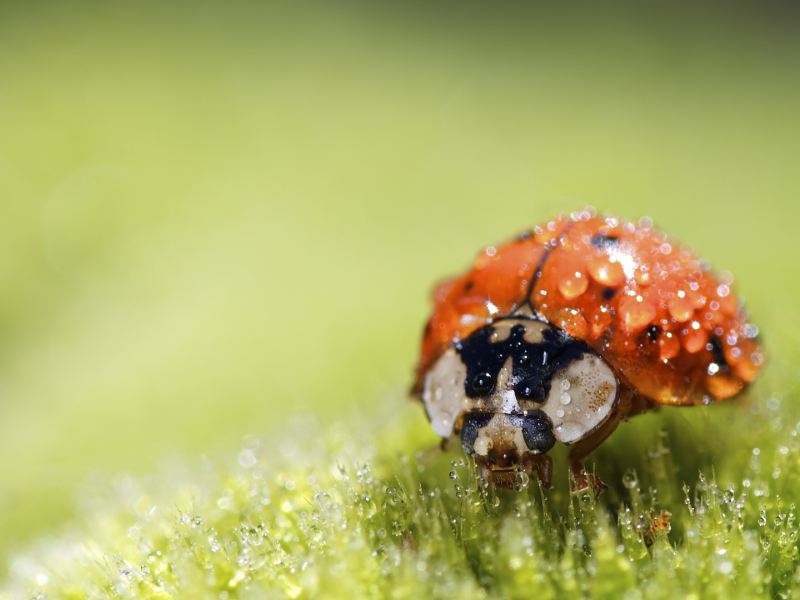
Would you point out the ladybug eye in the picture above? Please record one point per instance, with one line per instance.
(537, 433)
(482, 383)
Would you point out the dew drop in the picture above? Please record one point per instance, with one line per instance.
(565, 384)
(565, 398)
(629, 480)
(559, 413)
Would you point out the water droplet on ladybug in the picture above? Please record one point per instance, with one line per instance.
(482, 383)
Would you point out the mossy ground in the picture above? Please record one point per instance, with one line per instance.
(367, 508)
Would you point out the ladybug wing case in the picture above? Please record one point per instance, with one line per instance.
(671, 330)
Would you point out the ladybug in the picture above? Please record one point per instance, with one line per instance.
(560, 334)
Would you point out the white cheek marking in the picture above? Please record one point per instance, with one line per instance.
(443, 393)
(580, 399)
(483, 443)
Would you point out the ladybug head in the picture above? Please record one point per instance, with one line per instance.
(515, 387)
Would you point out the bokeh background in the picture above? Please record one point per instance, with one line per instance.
(214, 216)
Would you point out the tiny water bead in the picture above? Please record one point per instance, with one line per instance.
(629, 480)
(565, 398)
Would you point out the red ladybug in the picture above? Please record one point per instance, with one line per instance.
(560, 334)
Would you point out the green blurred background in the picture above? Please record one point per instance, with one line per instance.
(216, 215)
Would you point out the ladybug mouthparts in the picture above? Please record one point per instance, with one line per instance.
(501, 442)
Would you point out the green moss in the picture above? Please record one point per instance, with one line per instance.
(357, 510)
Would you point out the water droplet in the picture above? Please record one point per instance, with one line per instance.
(565, 398)
(559, 413)
(629, 480)
(247, 458)
(565, 385)
(453, 475)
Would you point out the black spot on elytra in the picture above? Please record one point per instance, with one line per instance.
(533, 364)
(652, 333)
(718, 354)
(609, 293)
(468, 286)
(469, 432)
(604, 242)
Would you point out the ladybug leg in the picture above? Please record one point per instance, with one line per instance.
(544, 469)
(580, 480)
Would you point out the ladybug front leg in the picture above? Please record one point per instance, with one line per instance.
(544, 469)
(580, 480)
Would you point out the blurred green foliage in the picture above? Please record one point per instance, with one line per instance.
(216, 215)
